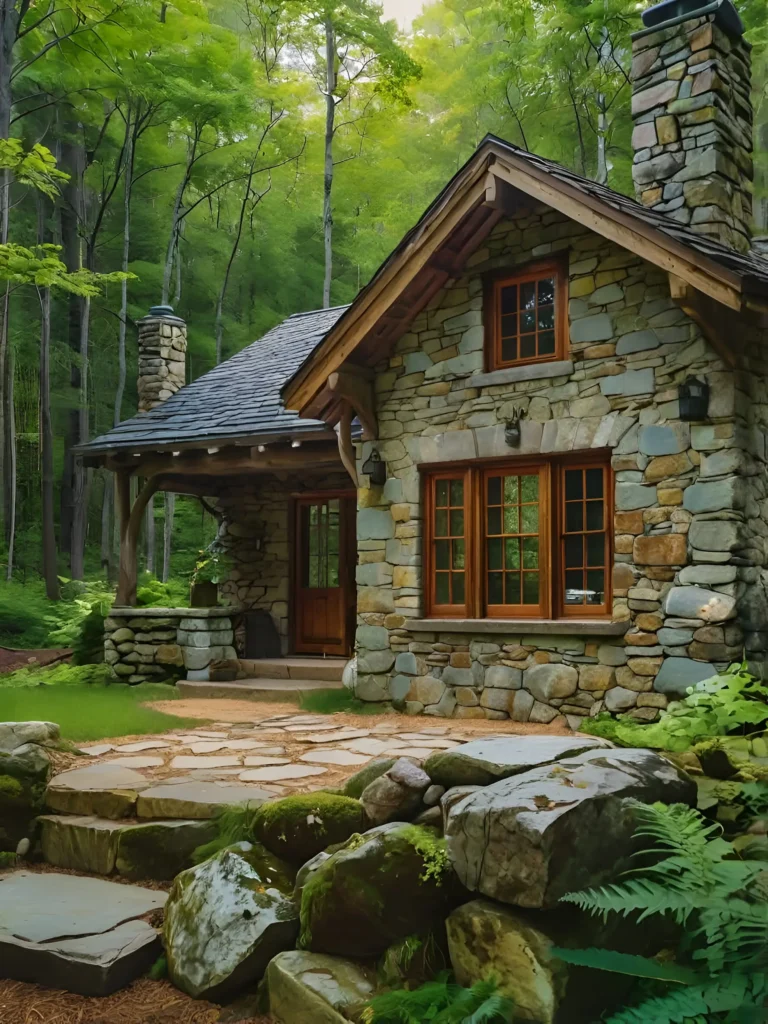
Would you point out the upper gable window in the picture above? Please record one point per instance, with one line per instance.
(526, 315)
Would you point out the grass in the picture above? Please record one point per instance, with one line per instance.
(84, 705)
(330, 702)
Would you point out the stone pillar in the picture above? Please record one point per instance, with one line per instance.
(692, 114)
(162, 356)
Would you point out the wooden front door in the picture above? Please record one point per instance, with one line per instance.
(324, 578)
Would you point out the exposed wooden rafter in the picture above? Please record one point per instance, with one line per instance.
(346, 447)
(353, 385)
(229, 462)
(712, 318)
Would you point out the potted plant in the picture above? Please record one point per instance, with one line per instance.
(211, 568)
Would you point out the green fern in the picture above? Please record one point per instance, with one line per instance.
(441, 1002)
(699, 879)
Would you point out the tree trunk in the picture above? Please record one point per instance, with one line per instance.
(106, 525)
(50, 572)
(81, 475)
(9, 22)
(230, 261)
(149, 535)
(8, 440)
(122, 324)
(330, 112)
(601, 176)
(176, 220)
(170, 508)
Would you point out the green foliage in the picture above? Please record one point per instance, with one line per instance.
(234, 824)
(719, 900)
(733, 702)
(441, 1002)
(35, 167)
(298, 827)
(433, 850)
(7, 859)
(211, 567)
(152, 593)
(339, 701)
(159, 969)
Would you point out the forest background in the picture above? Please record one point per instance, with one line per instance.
(244, 160)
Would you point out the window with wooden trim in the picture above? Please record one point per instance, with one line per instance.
(519, 539)
(526, 315)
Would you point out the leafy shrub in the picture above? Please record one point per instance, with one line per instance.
(63, 674)
(442, 1002)
(152, 593)
(733, 702)
(719, 900)
(26, 615)
(331, 702)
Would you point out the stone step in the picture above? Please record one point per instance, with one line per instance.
(83, 935)
(265, 689)
(156, 850)
(330, 669)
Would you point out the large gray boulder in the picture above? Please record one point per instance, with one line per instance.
(24, 770)
(488, 759)
(380, 887)
(530, 839)
(311, 988)
(225, 919)
(396, 795)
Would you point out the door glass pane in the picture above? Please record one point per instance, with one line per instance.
(512, 586)
(494, 552)
(457, 579)
(448, 544)
(513, 539)
(443, 554)
(320, 527)
(596, 586)
(583, 542)
(442, 588)
(531, 553)
(495, 592)
(530, 588)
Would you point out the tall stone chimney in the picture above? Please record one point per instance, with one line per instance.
(692, 114)
(162, 356)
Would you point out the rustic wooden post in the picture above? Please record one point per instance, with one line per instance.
(126, 583)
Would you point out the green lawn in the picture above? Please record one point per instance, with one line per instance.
(86, 710)
(329, 702)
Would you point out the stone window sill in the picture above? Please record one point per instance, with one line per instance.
(513, 374)
(558, 627)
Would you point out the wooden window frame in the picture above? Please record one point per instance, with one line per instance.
(551, 473)
(492, 285)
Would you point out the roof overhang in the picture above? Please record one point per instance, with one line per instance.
(497, 181)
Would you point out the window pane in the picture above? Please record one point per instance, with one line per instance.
(458, 587)
(512, 588)
(527, 321)
(509, 326)
(458, 554)
(511, 519)
(573, 551)
(530, 588)
(595, 586)
(495, 593)
(528, 295)
(546, 343)
(457, 492)
(510, 490)
(441, 523)
(494, 490)
(509, 350)
(530, 488)
(546, 318)
(442, 554)
(494, 520)
(509, 298)
(441, 492)
(573, 484)
(528, 346)
(546, 291)
(494, 553)
(574, 517)
(594, 483)
(457, 522)
(442, 589)
(595, 549)
(574, 587)
(594, 515)
(530, 518)
(531, 552)
(512, 553)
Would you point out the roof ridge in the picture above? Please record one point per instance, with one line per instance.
(322, 309)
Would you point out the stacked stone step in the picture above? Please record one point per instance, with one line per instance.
(162, 356)
(693, 127)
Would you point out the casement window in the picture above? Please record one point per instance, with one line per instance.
(518, 539)
(526, 315)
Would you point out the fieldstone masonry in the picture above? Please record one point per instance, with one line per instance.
(162, 341)
(157, 644)
(693, 126)
(690, 533)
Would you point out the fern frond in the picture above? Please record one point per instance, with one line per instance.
(627, 963)
(495, 1009)
(728, 993)
(636, 894)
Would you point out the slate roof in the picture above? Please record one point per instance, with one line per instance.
(237, 399)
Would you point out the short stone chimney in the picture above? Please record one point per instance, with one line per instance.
(162, 356)
(692, 114)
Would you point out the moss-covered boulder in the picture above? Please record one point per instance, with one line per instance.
(356, 783)
(225, 919)
(298, 827)
(24, 771)
(388, 883)
(160, 849)
(316, 989)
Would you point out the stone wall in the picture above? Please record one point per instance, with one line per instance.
(681, 582)
(157, 644)
(693, 127)
(162, 343)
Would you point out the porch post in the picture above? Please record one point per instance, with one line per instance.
(126, 583)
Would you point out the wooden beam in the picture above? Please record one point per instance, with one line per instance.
(123, 499)
(346, 448)
(233, 462)
(357, 391)
(126, 583)
(505, 198)
(713, 319)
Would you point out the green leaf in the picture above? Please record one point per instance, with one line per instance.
(627, 963)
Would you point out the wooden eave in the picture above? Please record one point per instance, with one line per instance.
(494, 184)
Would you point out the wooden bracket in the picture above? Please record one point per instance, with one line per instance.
(355, 387)
(129, 535)
(714, 320)
(346, 448)
(502, 196)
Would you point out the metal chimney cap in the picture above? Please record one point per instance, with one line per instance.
(673, 12)
(161, 311)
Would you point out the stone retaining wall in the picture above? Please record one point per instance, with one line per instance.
(157, 644)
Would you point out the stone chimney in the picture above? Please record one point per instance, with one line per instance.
(162, 356)
(692, 115)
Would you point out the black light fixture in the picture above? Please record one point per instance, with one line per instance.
(512, 435)
(693, 395)
(375, 468)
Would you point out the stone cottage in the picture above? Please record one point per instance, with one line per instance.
(550, 404)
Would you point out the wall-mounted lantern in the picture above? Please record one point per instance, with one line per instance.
(376, 469)
(512, 435)
(693, 395)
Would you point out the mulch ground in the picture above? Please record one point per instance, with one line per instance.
(143, 1002)
(11, 659)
